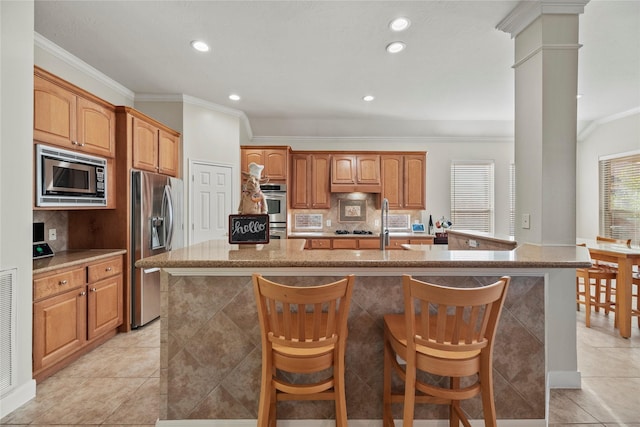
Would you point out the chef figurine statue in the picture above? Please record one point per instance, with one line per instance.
(252, 201)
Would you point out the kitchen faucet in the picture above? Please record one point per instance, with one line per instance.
(384, 224)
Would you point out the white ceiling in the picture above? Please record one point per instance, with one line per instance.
(302, 67)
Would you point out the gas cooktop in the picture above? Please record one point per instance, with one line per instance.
(353, 232)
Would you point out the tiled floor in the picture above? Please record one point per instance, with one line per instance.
(117, 384)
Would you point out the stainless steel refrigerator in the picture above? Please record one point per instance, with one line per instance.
(156, 201)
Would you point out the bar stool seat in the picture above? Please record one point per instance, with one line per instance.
(304, 332)
(446, 332)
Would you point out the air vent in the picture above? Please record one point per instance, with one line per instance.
(7, 330)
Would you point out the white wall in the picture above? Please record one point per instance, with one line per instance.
(615, 135)
(440, 153)
(16, 180)
(212, 136)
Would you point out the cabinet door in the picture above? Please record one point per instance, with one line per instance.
(168, 153)
(104, 311)
(250, 155)
(96, 131)
(54, 114)
(299, 192)
(320, 243)
(145, 145)
(392, 180)
(368, 169)
(320, 170)
(275, 164)
(415, 181)
(343, 169)
(59, 327)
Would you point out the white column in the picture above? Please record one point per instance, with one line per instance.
(546, 82)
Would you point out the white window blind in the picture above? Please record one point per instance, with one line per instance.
(620, 197)
(472, 195)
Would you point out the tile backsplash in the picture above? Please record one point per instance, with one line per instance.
(58, 220)
(305, 220)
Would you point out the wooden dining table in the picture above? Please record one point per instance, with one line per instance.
(626, 257)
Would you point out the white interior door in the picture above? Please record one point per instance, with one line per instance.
(211, 199)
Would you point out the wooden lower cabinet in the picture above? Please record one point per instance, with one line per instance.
(74, 310)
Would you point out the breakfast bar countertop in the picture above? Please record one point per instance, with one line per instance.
(290, 253)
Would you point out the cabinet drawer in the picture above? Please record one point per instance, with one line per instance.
(58, 283)
(344, 244)
(369, 243)
(108, 268)
(397, 243)
(320, 243)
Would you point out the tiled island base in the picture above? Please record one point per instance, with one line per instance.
(211, 356)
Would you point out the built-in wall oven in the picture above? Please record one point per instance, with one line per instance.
(276, 198)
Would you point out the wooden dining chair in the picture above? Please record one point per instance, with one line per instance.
(611, 265)
(304, 332)
(594, 288)
(635, 296)
(447, 332)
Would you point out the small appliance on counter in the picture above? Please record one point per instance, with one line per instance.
(41, 249)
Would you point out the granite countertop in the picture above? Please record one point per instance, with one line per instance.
(70, 258)
(290, 253)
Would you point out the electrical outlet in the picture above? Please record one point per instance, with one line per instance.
(52, 234)
(526, 221)
(328, 223)
(376, 223)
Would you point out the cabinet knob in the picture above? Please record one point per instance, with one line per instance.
(83, 293)
(74, 142)
(93, 289)
(62, 282)
(107, 269)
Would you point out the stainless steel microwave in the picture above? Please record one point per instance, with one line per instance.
(69, 179)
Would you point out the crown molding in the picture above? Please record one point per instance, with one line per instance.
(276, 140)
(528, 11)
(599, 122)
(75, 62)
(192, 100)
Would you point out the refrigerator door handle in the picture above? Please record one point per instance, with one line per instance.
(168, 205)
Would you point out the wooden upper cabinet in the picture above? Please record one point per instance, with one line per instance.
(154, 147)
(145, 145)
(355, 173)
(310, 181)
(392, 180)
(66, 116)
(404, 180)
(168, 153)
(274, 160)
(415, 181)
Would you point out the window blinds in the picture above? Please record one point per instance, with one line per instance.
(472, 195)
(619, 200)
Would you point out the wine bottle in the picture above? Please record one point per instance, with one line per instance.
(430, 225)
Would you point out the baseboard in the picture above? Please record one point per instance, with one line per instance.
(564, 379)
(331, 423)
(17, 397)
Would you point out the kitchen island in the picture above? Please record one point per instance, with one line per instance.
(210, 340)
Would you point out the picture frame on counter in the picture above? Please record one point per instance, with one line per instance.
(350, 210)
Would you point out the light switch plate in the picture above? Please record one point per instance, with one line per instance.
(526, 221)
(52, 234)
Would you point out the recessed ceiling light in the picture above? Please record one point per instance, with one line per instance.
(234, 97)
(395, 47)
(399, 24)
(368, 98)
(200, 46)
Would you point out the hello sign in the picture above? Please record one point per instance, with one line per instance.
(248, 229)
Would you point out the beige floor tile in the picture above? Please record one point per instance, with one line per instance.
(141, 408)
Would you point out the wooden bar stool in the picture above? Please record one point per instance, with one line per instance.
(304, 331)
(447, 332)
(594, 288)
